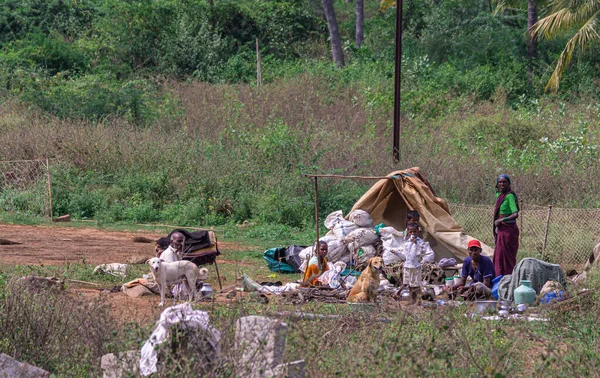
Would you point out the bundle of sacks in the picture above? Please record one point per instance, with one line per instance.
(355, 239)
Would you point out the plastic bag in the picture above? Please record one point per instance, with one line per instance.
(361, 218)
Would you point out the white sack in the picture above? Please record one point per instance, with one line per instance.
(365, 253)
(361, 218)
(333, 219)
(361, 237)
(343, 228)
(393, 245)
(336, 251)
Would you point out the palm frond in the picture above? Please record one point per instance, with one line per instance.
(586, 34)
(562, 20)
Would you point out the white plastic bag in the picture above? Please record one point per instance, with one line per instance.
(336, 250)
(333, 219)
(361, 218)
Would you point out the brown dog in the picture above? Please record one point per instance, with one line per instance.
(366, 287)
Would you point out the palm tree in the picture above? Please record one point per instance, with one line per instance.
(334, 33)
(360, 22)
(566, 15)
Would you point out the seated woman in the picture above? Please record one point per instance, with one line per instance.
(480, 269)
(317, 265)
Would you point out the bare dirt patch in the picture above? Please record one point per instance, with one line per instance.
(58, 246)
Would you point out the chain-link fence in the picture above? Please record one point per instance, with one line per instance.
(24, 187)
(563, 236)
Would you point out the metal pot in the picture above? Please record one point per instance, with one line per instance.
(486, 306)
(405, 294)
(206, 291)
(504, 305)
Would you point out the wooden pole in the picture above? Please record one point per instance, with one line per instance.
(353, 177)
(258, 66)
(49, 188)
(397, 81)
(218, 275)
(547, 228)
(316, 212)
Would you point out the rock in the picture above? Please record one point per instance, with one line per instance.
(123, 365)
(261, 343)
(35, 283)
(10, 368)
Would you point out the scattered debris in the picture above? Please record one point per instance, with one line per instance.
(10, 367)
(261, 343)
(120, 366)
(142, 239)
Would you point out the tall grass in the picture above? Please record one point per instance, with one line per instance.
(237, 152)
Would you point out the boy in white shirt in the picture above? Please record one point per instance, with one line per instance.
(416, 252)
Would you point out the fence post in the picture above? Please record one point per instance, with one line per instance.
(521, 214)
(546, 232)
(49, 188)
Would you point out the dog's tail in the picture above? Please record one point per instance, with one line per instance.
(203, 273)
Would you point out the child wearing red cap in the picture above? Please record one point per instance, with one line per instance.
(480, 269)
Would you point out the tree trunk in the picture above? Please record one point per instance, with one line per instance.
(360, 22)
(531, 41)
(334, 33)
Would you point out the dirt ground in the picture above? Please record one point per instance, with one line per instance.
(58, 246)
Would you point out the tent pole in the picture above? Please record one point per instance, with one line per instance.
(218, 275)
(316, 210)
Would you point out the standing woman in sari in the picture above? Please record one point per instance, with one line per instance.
(506, 232)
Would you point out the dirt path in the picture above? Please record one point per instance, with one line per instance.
(57, 246)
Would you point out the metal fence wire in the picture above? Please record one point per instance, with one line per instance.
(565, 236)
(24, 187)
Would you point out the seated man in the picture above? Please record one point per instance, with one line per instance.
(175, 250)
(480, 269)
(316, 266)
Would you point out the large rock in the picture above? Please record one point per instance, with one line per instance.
(121, 366)
(11, 368)
(260, 341)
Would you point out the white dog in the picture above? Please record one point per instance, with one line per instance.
(166, 274)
